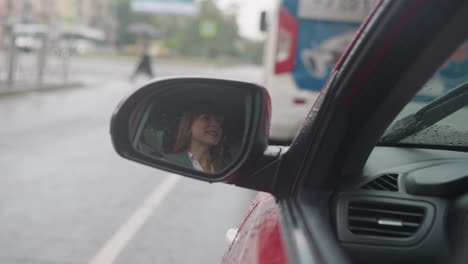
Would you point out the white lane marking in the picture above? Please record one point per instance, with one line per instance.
(114, 246)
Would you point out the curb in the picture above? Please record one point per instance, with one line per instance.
(174, 60)
(21, 89)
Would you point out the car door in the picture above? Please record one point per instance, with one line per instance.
(399, 46)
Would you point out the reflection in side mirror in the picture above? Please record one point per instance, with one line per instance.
(208, 129)
(200, 127)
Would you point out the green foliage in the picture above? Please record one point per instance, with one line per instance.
(182, 34)
(126, 17)
(253, 51)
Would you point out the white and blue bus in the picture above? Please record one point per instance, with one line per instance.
(304, 40)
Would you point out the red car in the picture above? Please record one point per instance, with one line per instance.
(377, 174)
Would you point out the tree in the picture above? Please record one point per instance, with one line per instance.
(253, 51)
(193, 44)
(182, 33)
(125, 17)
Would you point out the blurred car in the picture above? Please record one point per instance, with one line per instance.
(77, 46)
(29, 37)
(379, 170)
(27, 43)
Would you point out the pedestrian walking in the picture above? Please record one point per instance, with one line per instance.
(144, 65)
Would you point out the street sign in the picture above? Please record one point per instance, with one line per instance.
(208, 28)
(69, 20)
(178, 7)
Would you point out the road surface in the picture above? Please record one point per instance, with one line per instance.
(66, 197)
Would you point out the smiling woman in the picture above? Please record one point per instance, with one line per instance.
(199, 143)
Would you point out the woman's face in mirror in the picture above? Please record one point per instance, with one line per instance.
(206, 129)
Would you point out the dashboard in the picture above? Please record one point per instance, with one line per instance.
(409, 205)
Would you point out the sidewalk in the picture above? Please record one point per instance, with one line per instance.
(7, 90)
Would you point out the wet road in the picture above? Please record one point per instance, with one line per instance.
(65, 194)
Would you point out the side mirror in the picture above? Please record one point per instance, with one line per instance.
(208, 129)
(263, 21)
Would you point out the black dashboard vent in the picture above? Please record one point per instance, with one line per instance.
(386, 182)
(384, 219)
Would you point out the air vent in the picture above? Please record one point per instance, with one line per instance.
(386, 182)
(384, 219)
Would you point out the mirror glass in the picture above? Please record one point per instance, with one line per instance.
(198, 126)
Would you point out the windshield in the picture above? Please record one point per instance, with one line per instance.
(438, 113)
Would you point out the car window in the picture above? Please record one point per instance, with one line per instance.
(438, 113)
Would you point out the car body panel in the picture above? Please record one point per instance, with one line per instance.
(273, 250)
(259, 239)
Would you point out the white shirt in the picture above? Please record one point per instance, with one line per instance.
(195, 163)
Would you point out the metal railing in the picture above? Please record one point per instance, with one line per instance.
(31, 60)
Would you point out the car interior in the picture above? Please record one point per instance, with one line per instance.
(412, 198)
(411, 204)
